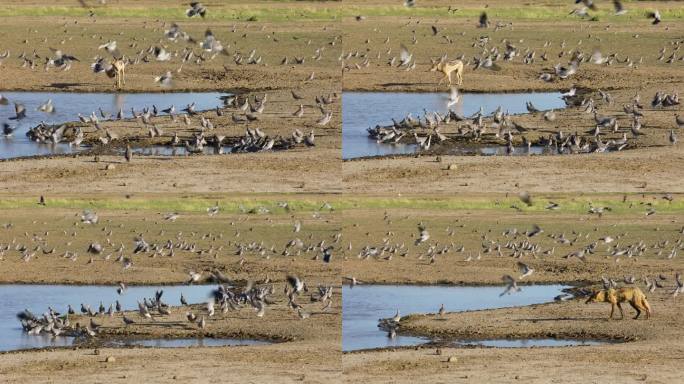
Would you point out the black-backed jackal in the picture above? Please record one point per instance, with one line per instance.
(447, 68)
(632, 295)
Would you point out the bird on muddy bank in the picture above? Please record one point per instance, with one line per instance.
(619, 8)
(60, 60)
(526, 198)
(396, 318)
(127, 321)
(128, 154)
(310, 139)
(299, 112)
(352, 281)
(165, 79)
(483, 21)
(194, 277)
(680, 121)
(296, 284)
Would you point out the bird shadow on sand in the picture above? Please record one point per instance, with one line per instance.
(160, 323)
(404, 84)
(66, 85)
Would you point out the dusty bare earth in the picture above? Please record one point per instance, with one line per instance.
(373, 198)
(648, 161)
(214, 243)
(276, 363)
(465, 243)
(650, 356)
(467, 234)
(299, 169)
(303, 350)
(56, 242)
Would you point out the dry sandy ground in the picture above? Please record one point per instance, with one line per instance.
(315, 355)
(306, 350)
(286, 363)
(300, 169)
(651, 355)
(297, 170)
(49, 233)
(657, 168)
(478, 232)
(310, 349)
(652, 170)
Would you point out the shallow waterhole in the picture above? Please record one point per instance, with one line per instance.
(364, 305)
(15, 298)
(69, 105)
(361, 110)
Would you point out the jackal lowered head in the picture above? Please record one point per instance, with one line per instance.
(596, 297)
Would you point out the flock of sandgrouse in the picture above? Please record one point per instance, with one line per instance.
(612, 132)
(187, 128)
(230, 296)
(533, 244)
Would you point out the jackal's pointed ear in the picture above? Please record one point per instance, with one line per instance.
(433, 61)
(444, 57)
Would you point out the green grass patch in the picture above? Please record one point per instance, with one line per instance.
(534, 12)
(242, 13)
(242, 205)
(634, 204)
(333, 11)
(575, 205)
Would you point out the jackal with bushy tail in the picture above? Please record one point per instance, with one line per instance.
(632, 295)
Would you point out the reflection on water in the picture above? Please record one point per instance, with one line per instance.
(69, 105)
(37, 298)
(364, 305)
(361, 110)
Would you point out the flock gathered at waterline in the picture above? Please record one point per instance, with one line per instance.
(613, 132)
(231, 296)
(194, 131)
(612, 129)
(163, 126)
